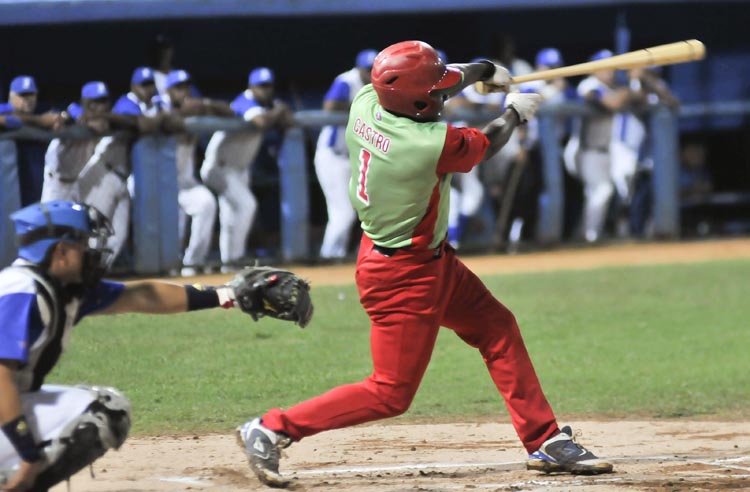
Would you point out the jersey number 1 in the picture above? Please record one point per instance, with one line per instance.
(364, 167)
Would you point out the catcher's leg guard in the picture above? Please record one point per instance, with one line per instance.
(102, 426)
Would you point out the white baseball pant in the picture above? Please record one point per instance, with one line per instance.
(472, 192)
(237, 209)
(334, 172)
(597, 190)
(198, 203)
(100, 185)
(59, 186)
(48, 411)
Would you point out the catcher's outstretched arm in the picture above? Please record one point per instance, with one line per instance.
(160, 297)
(257, 291)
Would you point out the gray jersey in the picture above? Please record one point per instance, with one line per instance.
(595, 131)
(235, 150)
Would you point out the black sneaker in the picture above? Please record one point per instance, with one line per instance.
(263, 449)
(562, 454)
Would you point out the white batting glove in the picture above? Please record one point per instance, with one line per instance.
(501, 78)
(525, 104)
(500, 81)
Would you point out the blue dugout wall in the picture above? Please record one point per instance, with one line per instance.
(155, 209)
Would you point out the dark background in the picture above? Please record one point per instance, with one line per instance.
(308, 52)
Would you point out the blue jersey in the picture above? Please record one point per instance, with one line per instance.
(246, 106)
(37, 316)
(343, 89)
(75, 110)
(130, 104)
(12, 122)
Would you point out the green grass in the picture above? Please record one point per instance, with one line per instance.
(661, 341)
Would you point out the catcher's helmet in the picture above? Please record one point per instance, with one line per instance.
(409, 78)
(41, 226)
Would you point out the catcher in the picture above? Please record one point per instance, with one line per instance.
(49, 432)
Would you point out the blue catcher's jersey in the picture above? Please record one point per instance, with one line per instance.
(35, 320)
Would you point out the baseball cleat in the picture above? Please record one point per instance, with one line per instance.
(263, 449)
(562, 454)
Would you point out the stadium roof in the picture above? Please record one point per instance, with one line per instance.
(19, 12)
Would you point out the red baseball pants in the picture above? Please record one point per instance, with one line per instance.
(408, 297)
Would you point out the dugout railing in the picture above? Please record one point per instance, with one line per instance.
(156, 247)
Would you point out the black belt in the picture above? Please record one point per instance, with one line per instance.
(113, 169)
(386, 251)
(61, 179)
(438, 251)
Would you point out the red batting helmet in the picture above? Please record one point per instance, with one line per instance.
(405, 75)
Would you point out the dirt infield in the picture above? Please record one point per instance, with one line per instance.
(664, 456)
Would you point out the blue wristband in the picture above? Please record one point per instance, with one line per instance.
(19, 434)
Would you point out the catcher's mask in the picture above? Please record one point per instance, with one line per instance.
(41, 226)
(411, 80)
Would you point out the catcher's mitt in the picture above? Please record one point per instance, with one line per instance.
(266, 291)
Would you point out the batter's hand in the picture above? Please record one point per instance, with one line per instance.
(526, 105)
(499, 81)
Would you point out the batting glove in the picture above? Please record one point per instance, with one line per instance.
(499, 81)
(525, 104)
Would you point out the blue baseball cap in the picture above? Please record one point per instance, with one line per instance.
(177, 77)
(260, 75)
(549, 57)
(600, 55)
(23, 84)
(366, 58)
(94, 90)
(141, 75)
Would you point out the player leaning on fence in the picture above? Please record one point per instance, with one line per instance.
(409, 279)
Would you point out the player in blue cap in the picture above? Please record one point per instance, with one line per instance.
(139, 101)
(20, 110)
(49, 432)
(93, 170)
(229, 158)
(21, 107)
(588, 152)
(332, 159)
(195, 199)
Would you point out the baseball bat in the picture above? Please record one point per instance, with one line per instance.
(665, 54)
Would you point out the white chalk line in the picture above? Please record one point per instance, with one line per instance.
(416, 466)
(186, 481)
(726, 463)
(722, 463)
(438, 466)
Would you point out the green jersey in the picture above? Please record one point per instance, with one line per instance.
(399, 196)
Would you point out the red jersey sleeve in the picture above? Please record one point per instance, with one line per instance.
(464, 148)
